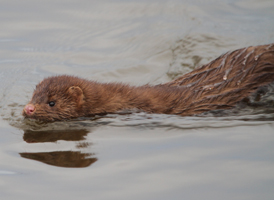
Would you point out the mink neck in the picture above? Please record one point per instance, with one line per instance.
(102, 98)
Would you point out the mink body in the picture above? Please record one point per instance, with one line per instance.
(221, 84)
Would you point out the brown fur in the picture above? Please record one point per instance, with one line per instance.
(218, 85)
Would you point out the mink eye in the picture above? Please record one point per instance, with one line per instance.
(51, 103)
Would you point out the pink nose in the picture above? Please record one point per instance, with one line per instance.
(29, 109)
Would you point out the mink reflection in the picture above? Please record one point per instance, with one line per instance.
(62, 158)
(73, 159)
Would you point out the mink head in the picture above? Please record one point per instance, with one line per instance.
(56, 98)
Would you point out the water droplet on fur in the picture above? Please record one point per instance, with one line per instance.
(207, 87)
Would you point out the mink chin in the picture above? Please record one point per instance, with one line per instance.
(221, 84)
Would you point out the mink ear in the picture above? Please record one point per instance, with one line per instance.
(77, 93)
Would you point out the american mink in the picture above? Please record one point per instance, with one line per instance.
(218, 85)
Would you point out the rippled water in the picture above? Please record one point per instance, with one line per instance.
(227, 155)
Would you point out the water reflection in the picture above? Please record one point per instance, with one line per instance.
(54, 135)
(60, 158)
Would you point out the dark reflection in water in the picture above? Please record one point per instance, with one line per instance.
(62, 158)
(54, 135)
(75, 159)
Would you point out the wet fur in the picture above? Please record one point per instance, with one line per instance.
(221, 84)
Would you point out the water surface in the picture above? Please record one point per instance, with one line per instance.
(226, 155)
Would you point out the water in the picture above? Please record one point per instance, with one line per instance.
(131, 156)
